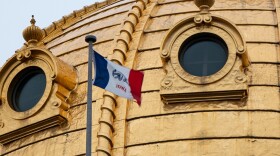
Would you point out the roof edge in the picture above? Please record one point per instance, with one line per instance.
(75, 15)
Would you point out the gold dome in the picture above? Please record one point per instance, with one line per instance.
(132, 33)
(32, 32)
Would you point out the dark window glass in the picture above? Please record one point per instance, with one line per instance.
(27, 88)
(203, 54)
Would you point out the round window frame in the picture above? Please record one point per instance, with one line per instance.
(196, 39)
(182, 37)
(18, 81)
(9, 110)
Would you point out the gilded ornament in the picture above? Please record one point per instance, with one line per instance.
(52, 74)
(240, 79)
(23, 54)
(166, 83)
(207, 19)
(32, 34)
(240, 49)
(55, 103)
(198, 19)
(165, 54)
(208, 3)
(27, 53)
(19, 56)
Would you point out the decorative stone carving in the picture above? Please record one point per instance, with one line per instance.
(52, 108)
(32, 34)
(229, 83)
(204, 3)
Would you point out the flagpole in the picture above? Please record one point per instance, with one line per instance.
(90, 39)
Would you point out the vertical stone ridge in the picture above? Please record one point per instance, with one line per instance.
(277, 9)
(123, 40)
(105, 134)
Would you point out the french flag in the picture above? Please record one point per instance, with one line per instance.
(117, 79)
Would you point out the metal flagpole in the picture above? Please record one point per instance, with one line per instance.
(90, 39)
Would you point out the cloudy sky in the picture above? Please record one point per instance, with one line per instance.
(16, 14)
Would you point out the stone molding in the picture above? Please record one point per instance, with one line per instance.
(52, 108)
(229, 83)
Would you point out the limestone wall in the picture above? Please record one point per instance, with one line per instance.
(68, 43)
(210, 128)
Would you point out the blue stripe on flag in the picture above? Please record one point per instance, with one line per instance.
(101, 73)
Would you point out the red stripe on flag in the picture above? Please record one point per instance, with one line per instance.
(135, 81)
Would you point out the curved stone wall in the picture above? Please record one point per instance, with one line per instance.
(249, 127)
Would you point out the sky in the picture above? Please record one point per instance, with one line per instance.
(15, 16)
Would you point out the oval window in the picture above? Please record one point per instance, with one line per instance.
(203, 54)
(26, 89)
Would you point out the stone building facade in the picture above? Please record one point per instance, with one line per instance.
(232, 111)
